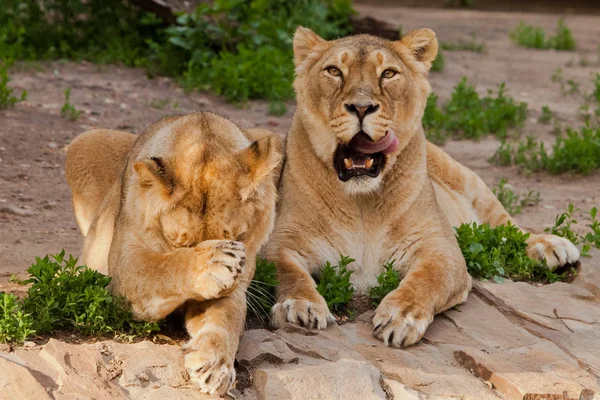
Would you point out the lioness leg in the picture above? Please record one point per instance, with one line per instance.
(95, 160)
(298, 299)
(165, 281)
(464, 198)
(215, 328)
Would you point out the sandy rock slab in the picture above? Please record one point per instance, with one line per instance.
(104, 370)
(508, 341)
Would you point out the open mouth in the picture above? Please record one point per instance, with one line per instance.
(362, 156)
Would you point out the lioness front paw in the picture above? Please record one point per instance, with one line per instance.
(556, 250)
(399, 326)
(209, 363)
(310, 314)
(222, 263)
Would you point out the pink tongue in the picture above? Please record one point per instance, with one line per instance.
(386, 145)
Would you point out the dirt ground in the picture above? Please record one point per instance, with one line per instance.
(36, 215)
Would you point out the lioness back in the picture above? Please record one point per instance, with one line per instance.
(95, 161)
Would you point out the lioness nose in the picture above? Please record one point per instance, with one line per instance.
(361, 110)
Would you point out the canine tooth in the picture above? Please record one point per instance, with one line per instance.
(369, 163)
(348, 163)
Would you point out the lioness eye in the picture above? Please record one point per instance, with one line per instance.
(388, 73)
(333, 71)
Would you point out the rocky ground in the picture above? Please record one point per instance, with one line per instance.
(510, 340)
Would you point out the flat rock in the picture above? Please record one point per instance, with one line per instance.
(259, 345)
(17, 382)
(343, 379)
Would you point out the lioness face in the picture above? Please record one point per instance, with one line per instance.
(203, 189)
(361, 99)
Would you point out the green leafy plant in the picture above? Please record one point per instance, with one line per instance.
(547, 115)
(68, 110)
(535, 37)
(261, 292)
(564, 223)
(469, 116)
(6, 93)
(334, 284)
(578, 151)
(500, 252)
(15, 325)
(238, 48)
(230, 47)
(512, 202)
(465, 45)
(596, 92)
(65, 296)
(387, 281)
(439, 62)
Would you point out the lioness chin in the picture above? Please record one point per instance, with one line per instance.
(176, 217)
(360, 179)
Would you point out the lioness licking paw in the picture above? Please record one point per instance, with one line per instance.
(360, 179)
(176, 217)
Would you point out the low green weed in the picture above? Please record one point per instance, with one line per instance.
(578, 151)
(465, 45)
(500, 252)
(16, 326)
(65, 296)
(547, 115)
(7, 99)
(467, 115)
(387, 281)
(334, 284)
(596, 92)
(261, 292)
(512, 202)
(68, 110)
(438, 64)
(564, 223)
(238, 48)
(535, 37)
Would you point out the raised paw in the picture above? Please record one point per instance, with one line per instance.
(209, 363)
(557, 251)
(399, 326)
(221, 262)
(309, 314)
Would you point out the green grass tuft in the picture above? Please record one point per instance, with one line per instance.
(65, 296)
(535, 37)
(7, 99)
(578, 151)
(472, 45)
(68, 110)
(500, 252)
(438, 64)
(334, 284)
(238, 48)
(512, 202)
(387, 281)
(469, 116)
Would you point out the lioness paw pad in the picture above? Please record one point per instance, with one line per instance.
(220, 271)
(209, 371)
(398, 328)
(555, 250)
(302, 312)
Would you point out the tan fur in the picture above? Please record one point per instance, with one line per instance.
(403, 214)
(176, 217)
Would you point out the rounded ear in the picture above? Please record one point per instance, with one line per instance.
(262, 160)
(155, 172)
(422, 45)
(305, 41)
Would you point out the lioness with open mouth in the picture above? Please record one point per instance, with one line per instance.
(176, 217)
(360, 179)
